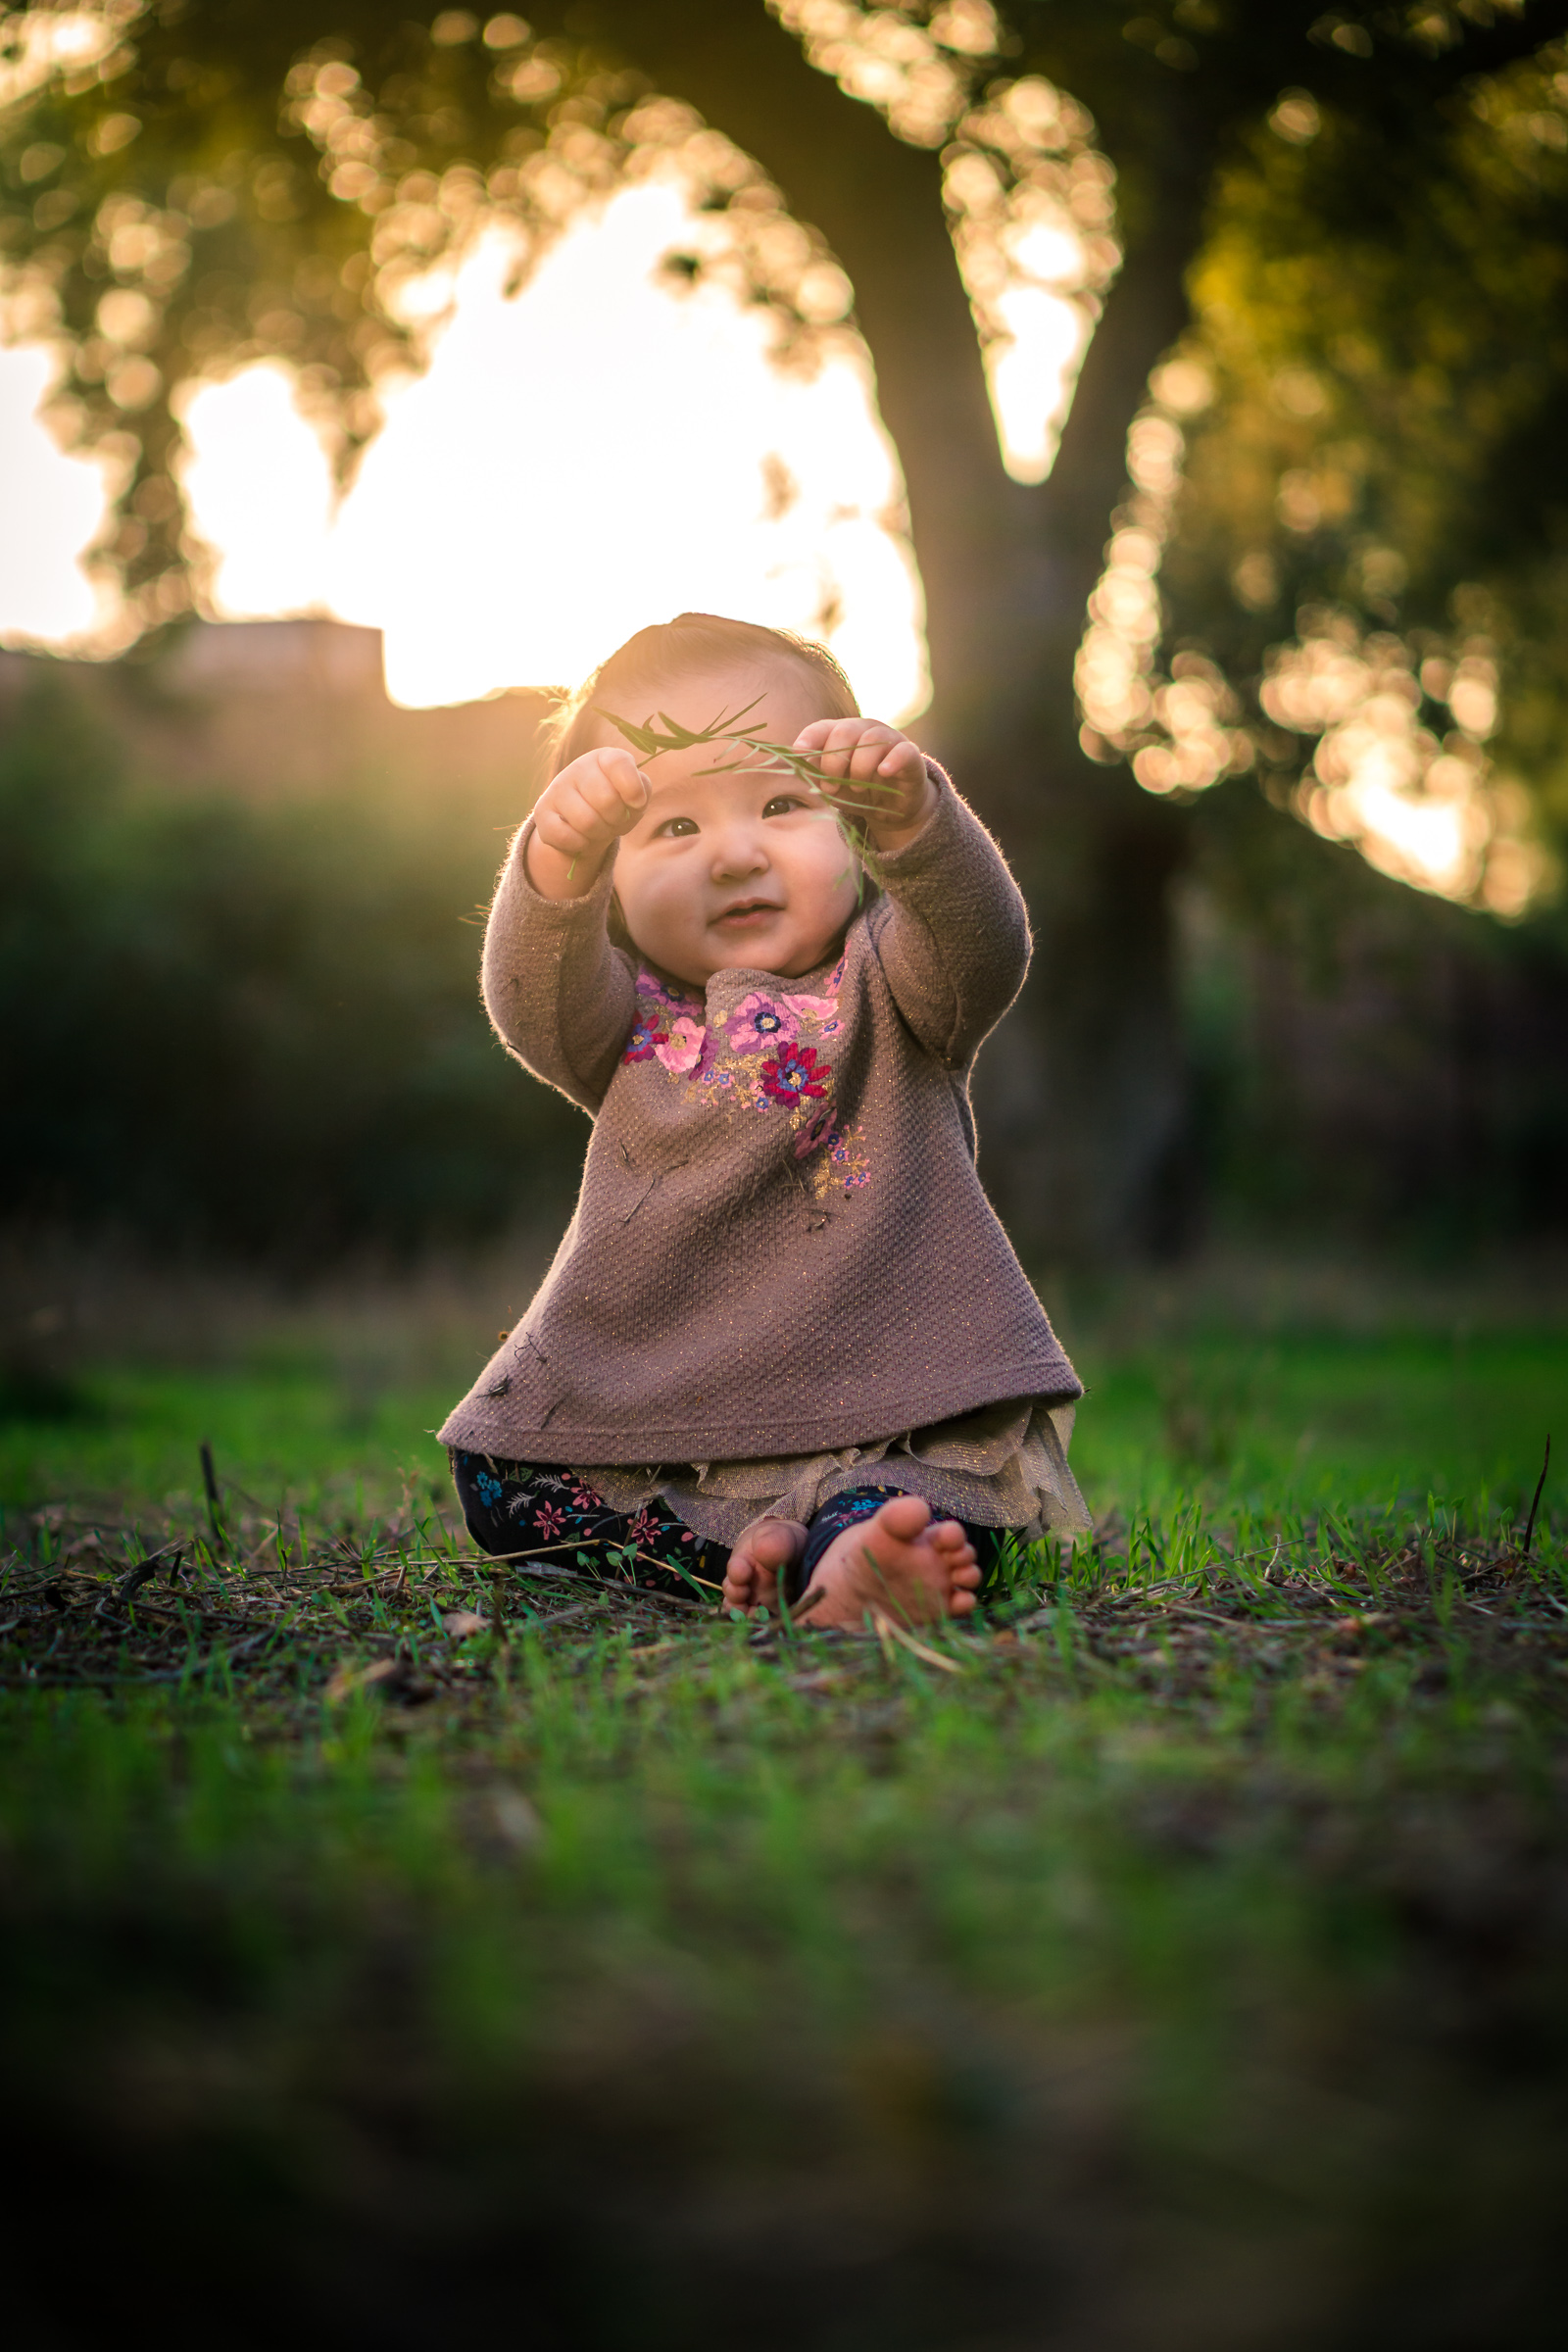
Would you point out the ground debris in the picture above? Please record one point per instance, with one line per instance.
(401, 1614)
(404, 1615)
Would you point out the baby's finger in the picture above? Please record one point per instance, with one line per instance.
(870, 752)
(836, 753)
(627, 776)
(593, 827)
(558, 831)
(904, 761)
(828, 734)
(600, 796)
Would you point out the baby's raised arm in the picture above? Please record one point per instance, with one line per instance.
(578, 818)
(951, 933)
(561, 995)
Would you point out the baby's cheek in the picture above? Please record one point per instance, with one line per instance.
(662, 916)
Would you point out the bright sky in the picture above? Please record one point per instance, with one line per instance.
(50, 510)
(593, 454)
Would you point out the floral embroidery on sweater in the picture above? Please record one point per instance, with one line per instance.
(646, 1038)
(682, 1049)
(793, 1075)
(838, 1156)
(759, 1023)
(765, 1055)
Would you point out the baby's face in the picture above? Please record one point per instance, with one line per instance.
(722, 873)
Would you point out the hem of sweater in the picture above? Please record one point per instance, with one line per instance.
(564, 1442)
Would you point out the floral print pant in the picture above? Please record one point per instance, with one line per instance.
(536, 1510)
(539, 1511)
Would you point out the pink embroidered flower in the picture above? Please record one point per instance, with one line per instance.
(823, 1011)
(757, 1024)
(795, 1075)
(819, 1130)
(682, 1049)
(548, 1520)
(645, 1040)
(648, 984)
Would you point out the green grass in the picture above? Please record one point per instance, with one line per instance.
(1298, 1421)
(1310, 1420)
(1178, 1965)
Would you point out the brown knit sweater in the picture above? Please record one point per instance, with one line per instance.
(781, 1244)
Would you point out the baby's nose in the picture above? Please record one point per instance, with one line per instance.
(738, 850)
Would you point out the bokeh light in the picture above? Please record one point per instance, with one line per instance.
(601, 451)
(1179, 731)
(51, 511)
(596, 452)
(612, 447)
(1029, 197)
(259, 487)
(1427, 809)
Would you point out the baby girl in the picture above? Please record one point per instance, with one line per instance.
(785, 1342)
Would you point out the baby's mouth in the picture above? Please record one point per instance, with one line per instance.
(746, 911)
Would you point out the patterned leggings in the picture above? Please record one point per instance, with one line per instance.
(536, 1510)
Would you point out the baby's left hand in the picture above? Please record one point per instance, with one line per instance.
(889, 768)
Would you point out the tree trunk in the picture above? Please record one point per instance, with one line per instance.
(1083, 1093)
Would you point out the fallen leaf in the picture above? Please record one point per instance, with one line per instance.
(357, 1677)
(887, 1631)
(516, 1819)
(461, 1623)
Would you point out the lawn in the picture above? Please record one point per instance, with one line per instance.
(1173, 1958)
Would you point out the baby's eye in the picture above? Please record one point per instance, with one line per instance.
(675, 828)
(783, 803)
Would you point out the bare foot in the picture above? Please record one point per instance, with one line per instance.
(898, 1562)
(762, 1554)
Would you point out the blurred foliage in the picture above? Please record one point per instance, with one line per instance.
(1366, 209)
(1386, 327)
(1393, 323)
(215, 185)
(1366, 1061)
(252, 1028)
(201, 185)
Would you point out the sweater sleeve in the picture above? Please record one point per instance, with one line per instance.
(951, 934)
(561, 997)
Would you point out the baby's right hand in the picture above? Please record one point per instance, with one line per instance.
(577, 818)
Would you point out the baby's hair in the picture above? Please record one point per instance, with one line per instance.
(691, 641)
